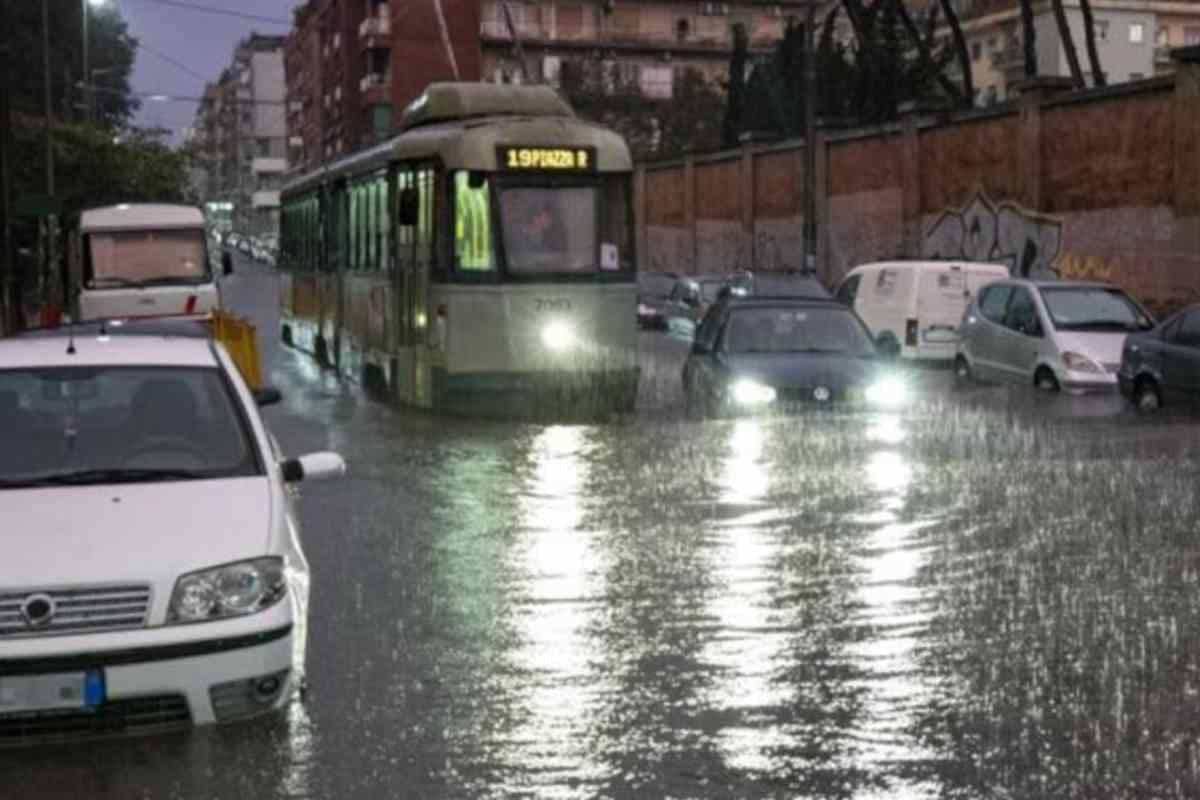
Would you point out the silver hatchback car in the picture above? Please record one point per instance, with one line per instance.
(1051, 334)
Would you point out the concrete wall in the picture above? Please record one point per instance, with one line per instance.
(1100, 184)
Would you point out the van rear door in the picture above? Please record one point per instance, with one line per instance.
(942, 296)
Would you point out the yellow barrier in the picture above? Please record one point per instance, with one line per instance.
(241, 340)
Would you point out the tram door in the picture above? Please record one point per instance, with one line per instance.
(415, 211)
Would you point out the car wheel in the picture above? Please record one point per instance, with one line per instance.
(1146, 396)
(1044, 379)
(962, 373)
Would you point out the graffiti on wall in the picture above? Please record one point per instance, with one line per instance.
(983, 230)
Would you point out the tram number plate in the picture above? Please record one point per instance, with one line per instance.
(546, 159)
(547, 304)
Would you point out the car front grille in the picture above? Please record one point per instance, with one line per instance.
(140, 715)
(78, 609)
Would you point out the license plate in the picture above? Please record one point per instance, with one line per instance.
(61, 691)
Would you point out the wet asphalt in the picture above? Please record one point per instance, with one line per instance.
(989, 594)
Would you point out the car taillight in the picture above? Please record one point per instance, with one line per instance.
(910, 333)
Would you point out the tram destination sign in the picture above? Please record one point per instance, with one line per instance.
(520, 158)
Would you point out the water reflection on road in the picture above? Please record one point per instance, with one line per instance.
(985, 595)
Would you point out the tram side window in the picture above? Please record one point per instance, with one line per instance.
(385, 226)
(425, 217)
(473, 251)
(616, 220)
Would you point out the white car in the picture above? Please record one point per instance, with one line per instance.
(1050, 334)
(153, 575)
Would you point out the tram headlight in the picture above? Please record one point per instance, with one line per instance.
(559, 336)
(889, 392)
(752, 393)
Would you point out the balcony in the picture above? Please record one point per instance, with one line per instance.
(268, 166)
(265, 199)
(375, 87)
(373, 28)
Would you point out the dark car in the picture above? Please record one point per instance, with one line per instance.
(654, 289)
(781, 284)
(1161, 367)
(754, 354)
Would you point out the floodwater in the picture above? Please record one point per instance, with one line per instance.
(992, 594)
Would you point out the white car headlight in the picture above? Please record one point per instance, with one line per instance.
(232, 590)
(752, 393)
(1078, 362)
(558, 336)
(887, 392)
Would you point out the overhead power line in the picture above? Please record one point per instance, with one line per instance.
(203, 9)
(179, 65)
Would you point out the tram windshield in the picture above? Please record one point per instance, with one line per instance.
(572, 228)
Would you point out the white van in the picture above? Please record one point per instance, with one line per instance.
(142, 260)
(918, 304)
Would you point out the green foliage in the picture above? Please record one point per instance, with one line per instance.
(861, 85)
(655, 129)
(111, 50)
(94, 168)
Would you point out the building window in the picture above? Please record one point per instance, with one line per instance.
(1191, 36)
(264, 147)
(976, 51)
(1137, 33)
(1163, 36)
(657, 82)
(990, 97)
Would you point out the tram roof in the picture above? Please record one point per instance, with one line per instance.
(443, 102)
(462, 124)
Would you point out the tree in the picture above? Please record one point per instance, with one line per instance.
(1029, 38)
(1089, 35)
(1068, 43)
(732, 126)
(112, 53)
(960, 45)
(654, 128)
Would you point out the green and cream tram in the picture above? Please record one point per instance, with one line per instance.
(481, 260)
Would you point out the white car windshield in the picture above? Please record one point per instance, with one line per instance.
(83, 425)
(138, 257)
(1093, 308)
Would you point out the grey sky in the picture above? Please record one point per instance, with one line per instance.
(201, 41)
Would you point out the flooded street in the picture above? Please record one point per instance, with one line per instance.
(991, 594)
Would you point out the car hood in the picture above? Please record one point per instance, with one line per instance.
(144, 532)
(1102, 347)
(802, 370)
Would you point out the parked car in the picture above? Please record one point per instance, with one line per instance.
(153, 576)
(232, 240)
(654, 288)
(1162, 367)
(690, 299)
(756, 354)
(245, 246)
(1054, 335)
(780, 284)
(918, 304)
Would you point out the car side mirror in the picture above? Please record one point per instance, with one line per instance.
(887, 345)
(226, 263)
(267, 396)
(313, 467)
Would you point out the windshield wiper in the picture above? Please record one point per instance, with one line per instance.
(85, 477)
(164, 281)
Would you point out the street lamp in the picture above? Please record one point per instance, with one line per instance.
(87, 71)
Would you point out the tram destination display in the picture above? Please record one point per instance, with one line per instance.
(517, 158)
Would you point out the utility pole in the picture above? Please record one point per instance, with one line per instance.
(810, 138)
(518, 47)
(9, 313)
(50, 284)
(89, 96)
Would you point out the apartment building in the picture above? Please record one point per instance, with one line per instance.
(353, 65)
(1133, 41)
(238, 140)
